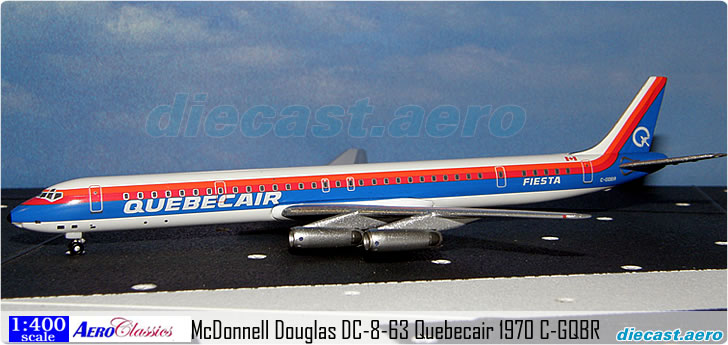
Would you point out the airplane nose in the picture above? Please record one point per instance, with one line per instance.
(20, 214)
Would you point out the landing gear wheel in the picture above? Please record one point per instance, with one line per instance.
(76, 247)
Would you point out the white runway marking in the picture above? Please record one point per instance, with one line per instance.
(550, 238)
(682, 204)
(144, 287)
(631, 267)
(721, 243)
(257, 256)
(3, 206)
(605, 219)
(441, 262)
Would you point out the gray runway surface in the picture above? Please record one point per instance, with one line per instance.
(648, 229)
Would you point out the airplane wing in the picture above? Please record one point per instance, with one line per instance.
(390, 228)
(398, 211)
(657, 164)
(351, 156)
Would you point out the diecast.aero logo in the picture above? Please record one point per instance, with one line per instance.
(642, 138)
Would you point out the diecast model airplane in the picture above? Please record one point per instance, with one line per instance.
(382, 207)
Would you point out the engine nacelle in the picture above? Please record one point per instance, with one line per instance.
(323, 238)
(400, 240)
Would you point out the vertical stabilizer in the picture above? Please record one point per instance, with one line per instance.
(635, 129)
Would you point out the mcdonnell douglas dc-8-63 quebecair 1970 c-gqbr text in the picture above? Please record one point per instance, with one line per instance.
(381, 206)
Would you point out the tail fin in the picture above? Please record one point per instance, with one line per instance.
(634, 131)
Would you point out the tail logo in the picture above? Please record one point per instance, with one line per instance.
(642, 138)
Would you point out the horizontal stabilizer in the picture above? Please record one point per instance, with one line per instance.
(351, 156)
(657, 164)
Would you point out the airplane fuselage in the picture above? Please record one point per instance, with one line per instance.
(214, 197)
(380, 207)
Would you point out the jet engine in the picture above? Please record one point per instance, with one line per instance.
(324, 238)
(399, 240)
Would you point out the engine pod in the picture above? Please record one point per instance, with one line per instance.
(400, 240)
(324, 238)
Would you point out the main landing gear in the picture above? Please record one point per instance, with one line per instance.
(76, 246)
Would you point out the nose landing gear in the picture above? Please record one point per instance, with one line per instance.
(76, 246)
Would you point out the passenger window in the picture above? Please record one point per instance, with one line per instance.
(500, 174)
(546, 172)
(288, 186)
(275, 187)
(154, 195)
(434, 178)
(467, 176)
(220, 190)
(60, 227)
(209, 191)
(374, 182)
(313, 185)
(409, 179)
(361, 182)
(338, 184)
(523, 172)
(457, 177)
(140, 195)
(399, 180)
(535, 172)
(126, 196)
(350, 183)
(386, 180)
(556, 171)
(300, 185)
(422, 179)
(195, 192)
(168, 193)
(480, 176)
(261, 188)
(444, 177)
(325, 184)
(181, 192)
(568, 171)
(248, 189)
(235, 190)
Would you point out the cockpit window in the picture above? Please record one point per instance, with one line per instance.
(51, 195)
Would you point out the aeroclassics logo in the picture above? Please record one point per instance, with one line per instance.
(123, 327)
(130, 329)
